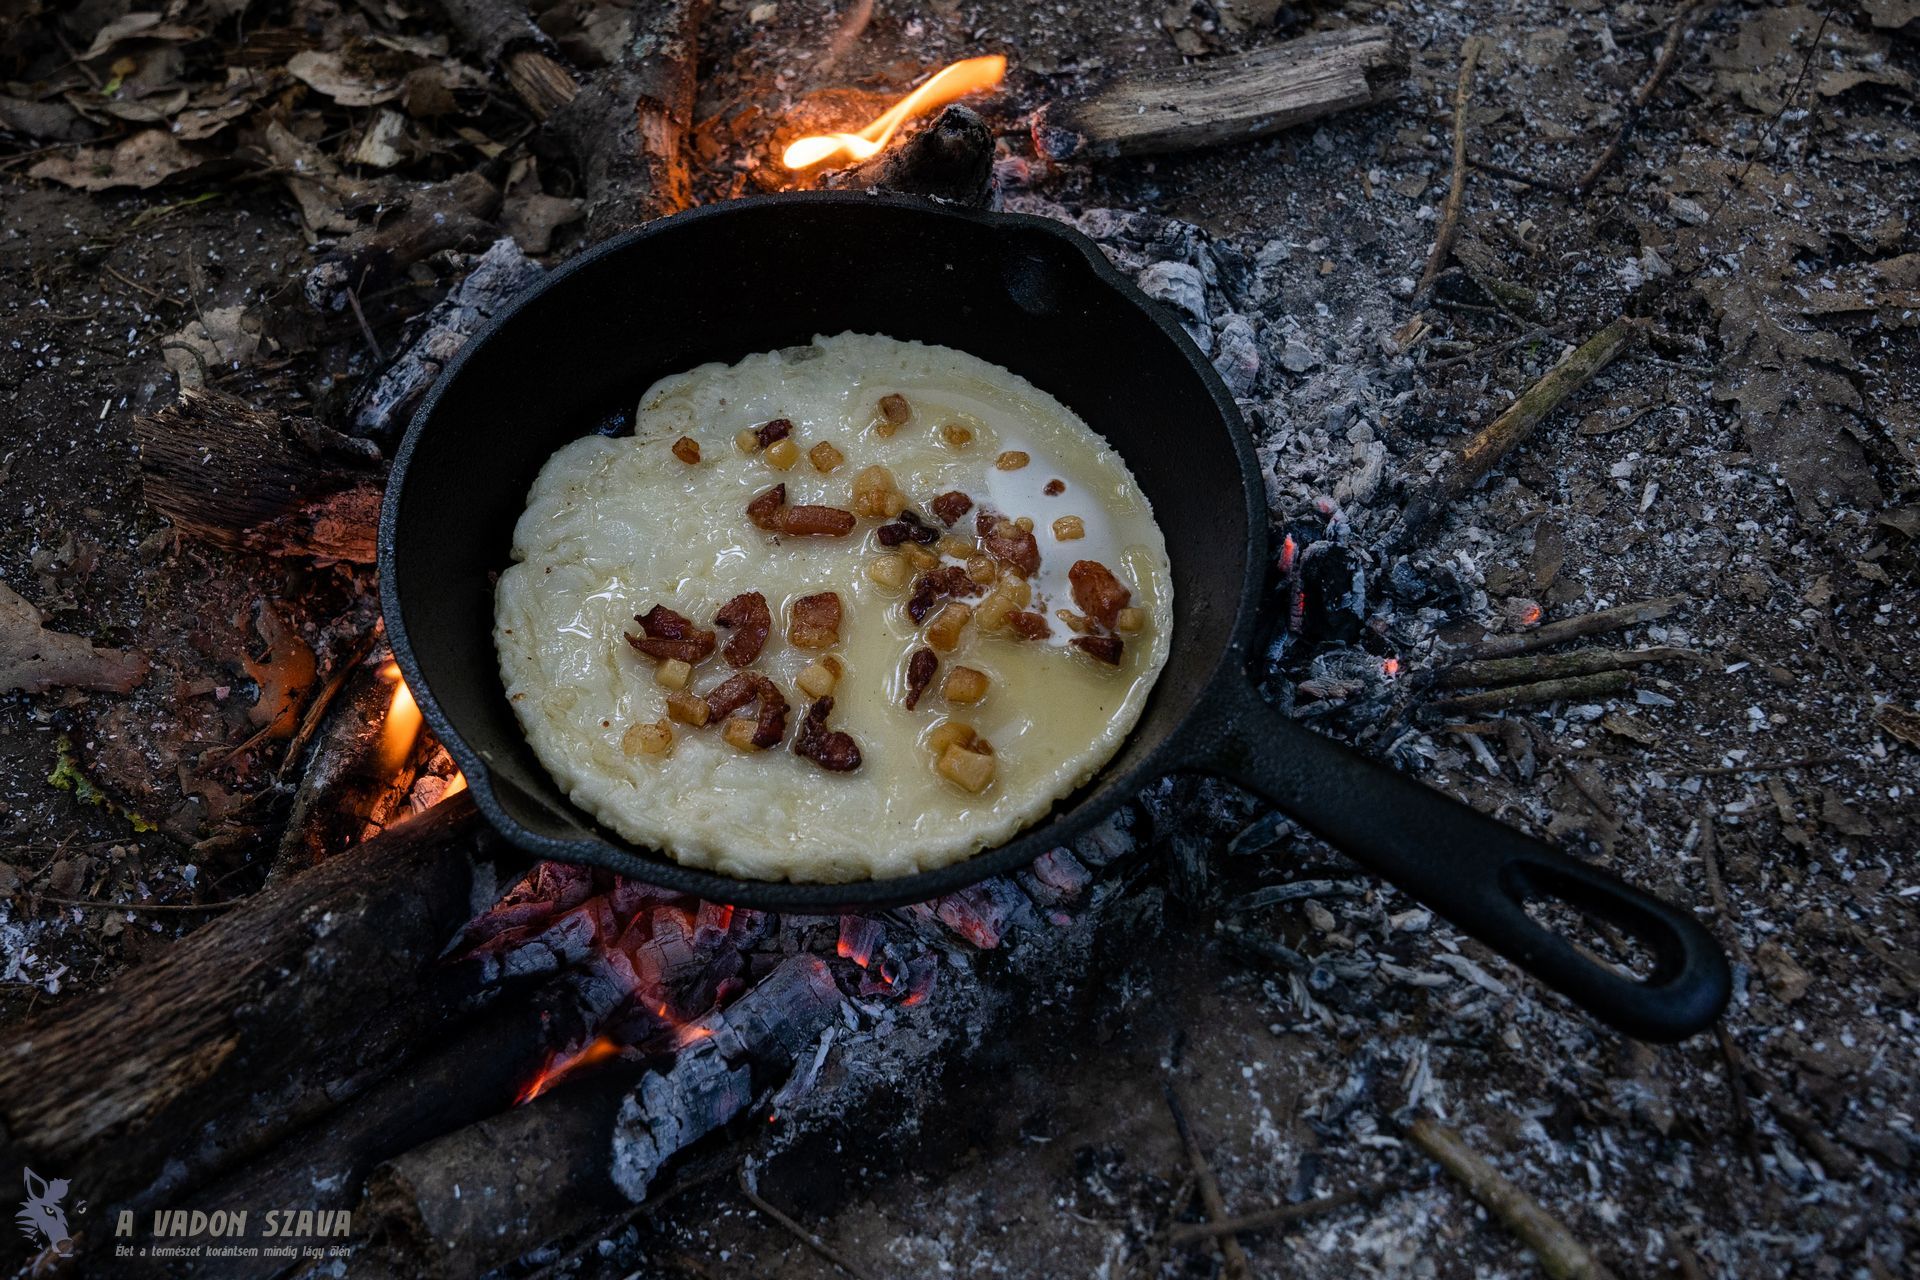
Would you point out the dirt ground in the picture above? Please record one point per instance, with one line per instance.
(1753, 452)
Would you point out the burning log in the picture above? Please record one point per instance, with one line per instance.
(356, 781)
(626, 130)
(1220, 100)
(226, 472)
(951, 159)
(251, 1027)
(483, 1195)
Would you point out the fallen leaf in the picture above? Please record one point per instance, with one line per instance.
(147, 159)
(349, 83)
(221, 336)
(1783, 974)
(1836, 813)
(315, 181)
(34, 659)
(377, 147)
(1899, 721)
(138, 26)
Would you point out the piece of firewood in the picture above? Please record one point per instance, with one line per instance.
(496, 279)
(500, 32)
(268, 1016)
(950, 159)
(232, 474)
(627, 128)
(347, 782)
(34, 659)
(1231, 99)
(483, 1195)
(455, 214)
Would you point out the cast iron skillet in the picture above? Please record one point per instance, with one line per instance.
(724, 281)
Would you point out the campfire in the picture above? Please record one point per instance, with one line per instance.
(484, 1066)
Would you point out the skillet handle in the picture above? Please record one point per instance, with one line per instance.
(1475, 871)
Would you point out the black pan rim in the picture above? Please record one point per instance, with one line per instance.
(1058, 827)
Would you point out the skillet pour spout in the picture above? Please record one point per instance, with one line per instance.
(573, 355)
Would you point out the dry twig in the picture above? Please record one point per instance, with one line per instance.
(1449, 229)
(799, 1232)
(1598, 685)
(1238, 1267)
(1554, 666)
(1676, 32)
(1561, 1255)
(1596, 623)
(1500, 437)
(1278, 1216)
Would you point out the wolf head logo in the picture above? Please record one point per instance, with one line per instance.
(42, 1217)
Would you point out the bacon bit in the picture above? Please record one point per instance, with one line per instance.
(768, 432)
(668, 635)
(934, 584)
(908, 527)
(816, 522)
(920, 668)
(1100, 595)
(1100, 648)
(737, 691)
(688, 709)
(815, 621)
(748, 613)
(1007, 541)
(1055, 488)
(895, 409)
(1011, 460)
(765, 509)
(687, 449)
(825, 457)
(950, 506)
(1029, 626)
(831, 749)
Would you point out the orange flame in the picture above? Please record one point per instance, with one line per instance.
(402, 727)
(559, 1064)
(947, 84)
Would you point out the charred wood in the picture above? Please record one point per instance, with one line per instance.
(483, 1195)
(355, 782)
(951, 159)
(253, 1026)
(226, 472)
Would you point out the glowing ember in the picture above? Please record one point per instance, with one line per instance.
(402, 727)
(1530, 615)
(945, 86)
(1288, 549)
(559, 1064)
(1390, 667)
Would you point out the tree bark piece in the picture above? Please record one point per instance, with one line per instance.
(34, 659)
(1561, 1256)
(627, 129)
(950, 159)
(226, 472)
(1230, 99)
(1500, 437)
(265, 1018)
